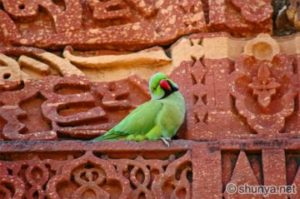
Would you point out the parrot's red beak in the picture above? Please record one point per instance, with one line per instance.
(164, 84)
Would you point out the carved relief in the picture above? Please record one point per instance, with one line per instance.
(70, 106)
(152, 57)
(13, 71)
(107, 10)
(10, 72)
(244, 16)
(263, 87)
(11, 187)
(293, 172)
(80, 176)
(37, 63)
(132, 24)
(254, 94)
(149, 169)
(243, 172)
(120, 24)
(88, 176)
(203, 84)
(187, 49)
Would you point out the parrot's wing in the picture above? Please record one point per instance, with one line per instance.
(139, 122)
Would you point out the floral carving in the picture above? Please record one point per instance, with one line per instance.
(149, 170)
(93, 175)
(264, 91)
(264, 86)
(158, 178)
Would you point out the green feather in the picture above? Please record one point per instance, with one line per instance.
(139, 121)
(153, 120)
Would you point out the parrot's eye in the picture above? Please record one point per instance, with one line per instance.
(164, 84)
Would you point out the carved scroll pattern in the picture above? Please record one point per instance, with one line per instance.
(71, 106)
(90, 176)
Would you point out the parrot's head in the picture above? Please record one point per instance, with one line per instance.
(161, 86)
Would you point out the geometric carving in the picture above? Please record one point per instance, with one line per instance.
(230, 92)
(242, 174)
(190, 77)
(203, 84)
(186, 50)
(62, 15)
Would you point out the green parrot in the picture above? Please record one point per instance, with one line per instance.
(159, 118)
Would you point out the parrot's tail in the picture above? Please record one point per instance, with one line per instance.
(109, 136)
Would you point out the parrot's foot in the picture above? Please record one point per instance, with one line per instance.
(166, 141)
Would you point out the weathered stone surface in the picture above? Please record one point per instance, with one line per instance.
(250, 94)
(120, 24)
(187, 169)
(106, 65)
(66, 72)
(239, 16)
(70, 106)
(249, 97)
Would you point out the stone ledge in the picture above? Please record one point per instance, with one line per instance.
(118, 146)
(201, 170)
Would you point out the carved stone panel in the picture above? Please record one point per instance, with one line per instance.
(185, 170)
(57, 107)
(124, 24)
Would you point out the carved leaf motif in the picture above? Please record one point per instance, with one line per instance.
(264, 86)
(264, 91)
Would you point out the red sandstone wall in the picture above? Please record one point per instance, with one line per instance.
(71, 70)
